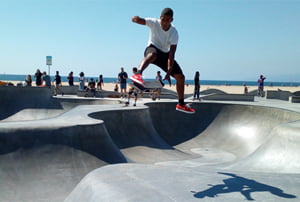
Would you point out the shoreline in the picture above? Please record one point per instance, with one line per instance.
(189, 89)
(12, 77)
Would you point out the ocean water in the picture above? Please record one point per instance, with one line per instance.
(16, 77)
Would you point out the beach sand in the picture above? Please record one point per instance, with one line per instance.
(189, 89)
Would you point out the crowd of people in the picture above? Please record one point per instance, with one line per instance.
(44, 80)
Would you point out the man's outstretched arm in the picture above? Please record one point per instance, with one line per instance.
(138, 20)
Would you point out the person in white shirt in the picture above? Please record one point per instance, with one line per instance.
(161, 50)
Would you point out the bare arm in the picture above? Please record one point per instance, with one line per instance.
(170, 62)
(138, 20)
(171, 59)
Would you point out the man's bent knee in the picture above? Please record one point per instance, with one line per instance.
(151, 57)
(179, 77)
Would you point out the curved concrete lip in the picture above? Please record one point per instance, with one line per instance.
(227, 151)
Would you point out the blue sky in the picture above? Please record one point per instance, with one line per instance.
(222, 39)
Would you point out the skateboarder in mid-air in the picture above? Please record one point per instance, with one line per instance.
(161, 50)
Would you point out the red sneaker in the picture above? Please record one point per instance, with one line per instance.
(186, 108)
(137, 78)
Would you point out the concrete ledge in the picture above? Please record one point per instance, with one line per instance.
(294, 99)
(165, 95)
(229, 97)
(101, 94)
(278, 94)
(73, 128)
(211, 91)
(16, 98)
(297, 93)
(67, 90)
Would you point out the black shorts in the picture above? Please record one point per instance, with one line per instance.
(162, 60)
(132, 92)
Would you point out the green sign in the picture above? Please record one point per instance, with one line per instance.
(49, 60)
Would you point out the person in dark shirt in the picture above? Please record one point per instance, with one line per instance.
(71, 79)
(91, 87)
(46, 79)
(197, 86)
(57, 80)
(38, 77)
(122, 79)
(260, 82)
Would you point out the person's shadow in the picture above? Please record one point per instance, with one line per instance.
(240, 184)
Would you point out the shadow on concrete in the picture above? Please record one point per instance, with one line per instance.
(240, 184)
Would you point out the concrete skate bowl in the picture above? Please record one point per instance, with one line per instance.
(30, 103)
(160, 132)
(62, 158)
(219, 136)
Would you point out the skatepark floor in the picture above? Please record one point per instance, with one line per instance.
(80, 149)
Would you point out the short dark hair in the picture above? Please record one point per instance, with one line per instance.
(167, 11)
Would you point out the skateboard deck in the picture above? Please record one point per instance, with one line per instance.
(149, 85)
(124, 102)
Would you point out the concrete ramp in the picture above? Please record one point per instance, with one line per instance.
(43, 173)
(238, 129)
(16, 98)
(90, 150)
(133, 132)
(280, 152)
(32, 103)
(223, 141)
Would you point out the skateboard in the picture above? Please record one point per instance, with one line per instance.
(124, 102)
(150, 86)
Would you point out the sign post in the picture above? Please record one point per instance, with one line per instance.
(49, 63)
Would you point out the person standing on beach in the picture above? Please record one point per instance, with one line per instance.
(71, 79)
(28, 80)
(122, 79)
(159, 78)
(81, 81)
(245, 88)
(260, 82)
(161, 50)
(197, 86)
(57, 80)
(38, 77)
(46, 79)
(100, 82)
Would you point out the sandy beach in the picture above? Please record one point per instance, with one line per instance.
(189, 89)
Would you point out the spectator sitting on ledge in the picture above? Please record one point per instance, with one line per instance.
(91, 87)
